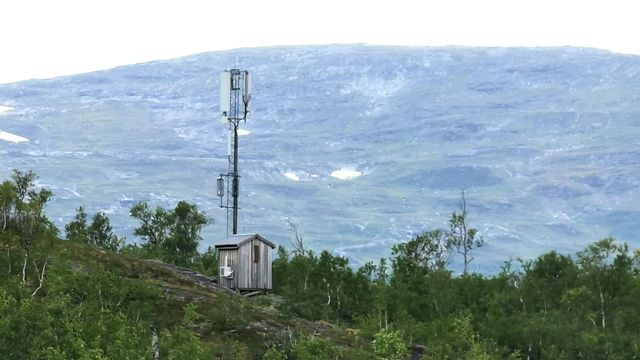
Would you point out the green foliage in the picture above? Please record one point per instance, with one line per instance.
(180, 342)
(22, 207)
(314, 348)
(388, 345)
(185, 221)
(78, 229)
(552, 307)
(545, 278)
(429, 251)
(66, 300)
(207, 262)
(321, 287)
(71, 320)
(173, 234)
(229, 315)
(25, 230)
(462, 342)
(99, 233)
(380, 296)
(154, 225)
(273, 353)
(190, 314)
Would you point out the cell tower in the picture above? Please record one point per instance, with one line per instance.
(235, 106)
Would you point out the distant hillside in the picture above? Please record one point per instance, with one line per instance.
(544, 140)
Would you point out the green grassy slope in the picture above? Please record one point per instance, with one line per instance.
(191, 314)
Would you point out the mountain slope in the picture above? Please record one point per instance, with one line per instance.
(545, 141)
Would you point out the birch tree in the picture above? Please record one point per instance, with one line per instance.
(462, 237)
(24, 224)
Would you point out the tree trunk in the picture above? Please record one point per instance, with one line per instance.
(435, 302)
(328, 292)
(466, 263)
(24, 267)
(386, 320)
(40, 276)
(602, 308)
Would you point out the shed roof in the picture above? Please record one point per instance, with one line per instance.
(235, 241)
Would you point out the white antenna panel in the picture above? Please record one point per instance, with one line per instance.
(247, 92)
(247, 84)
(229, 141)
(225, 92)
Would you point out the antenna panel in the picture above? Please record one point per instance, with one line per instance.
(247, 83)
(220, 185)
(247, 92)
(225, 92)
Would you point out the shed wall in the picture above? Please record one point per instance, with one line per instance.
(231, 257)
(248, 274)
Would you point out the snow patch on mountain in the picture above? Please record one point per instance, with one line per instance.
(7, 136)
(292, 176)
(346, 174)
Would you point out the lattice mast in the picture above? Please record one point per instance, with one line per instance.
(235, 106)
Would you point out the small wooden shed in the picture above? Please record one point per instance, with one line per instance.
(245, 262)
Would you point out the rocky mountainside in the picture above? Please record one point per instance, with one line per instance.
(545, 141)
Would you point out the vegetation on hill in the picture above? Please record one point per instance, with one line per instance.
(555, 306)
(91, 297)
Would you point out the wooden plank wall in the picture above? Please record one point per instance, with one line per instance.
(247, 274)
(232, 258)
